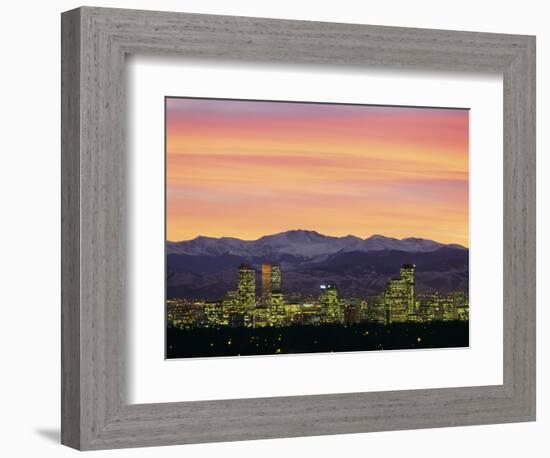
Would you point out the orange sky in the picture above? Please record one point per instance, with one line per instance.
(247, 169)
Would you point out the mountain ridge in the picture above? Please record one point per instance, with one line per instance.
(206, 267)
(302, 243)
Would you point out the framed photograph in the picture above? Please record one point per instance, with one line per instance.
(278, 228)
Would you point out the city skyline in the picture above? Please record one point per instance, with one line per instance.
(255, 285)
(248, 168)
(244, 317)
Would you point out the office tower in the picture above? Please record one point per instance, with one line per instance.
(377, 310)
(330, 306)
(275, 278)
(399, 296)
(231, 305)
(266, 282)
(407, 275)
(246, 287)
(277, 312)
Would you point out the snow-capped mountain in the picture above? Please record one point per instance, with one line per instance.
(300, 243)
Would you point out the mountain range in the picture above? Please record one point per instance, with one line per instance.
(206, 267)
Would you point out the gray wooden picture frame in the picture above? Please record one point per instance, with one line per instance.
(95, 411)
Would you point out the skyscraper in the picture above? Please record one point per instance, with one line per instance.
(266, 282)
(275, 278)
(271, 281)
(246, 287)
(399, 296)
(407, 275)
(330, 304)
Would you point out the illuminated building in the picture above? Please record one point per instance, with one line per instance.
(260, 317)
(364, 307)
(375, 309)
(230, 307)
(461, 306)
(246, 287)
(271, 281)
(266, 283)
(311, 314)
(447, 309)
(399, 296)
(275, 278)
(185, 314)
(395, 301)
(213, 312)
(293, 312)
(428, 308)
(277, 312)
(277, 298)
(330, 305)
(434, 306)
(407, 276)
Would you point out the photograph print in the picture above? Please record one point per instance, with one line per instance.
(307, 227)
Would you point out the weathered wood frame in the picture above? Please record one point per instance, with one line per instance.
(95, 413)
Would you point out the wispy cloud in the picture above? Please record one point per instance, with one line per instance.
(244, 169)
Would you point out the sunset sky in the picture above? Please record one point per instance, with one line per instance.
(249, 168)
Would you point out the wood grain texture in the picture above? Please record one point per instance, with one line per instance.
(96, 413)
(70, 229)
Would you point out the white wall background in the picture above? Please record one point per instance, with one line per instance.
(29, 230)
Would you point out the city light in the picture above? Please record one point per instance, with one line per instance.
(399, 302)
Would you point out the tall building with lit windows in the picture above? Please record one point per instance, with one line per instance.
(407, 276)
(399, 299)
(271, 281)
(277, 312)
(330, 305)
(266, 282)
(246, 287)
(275, 278)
